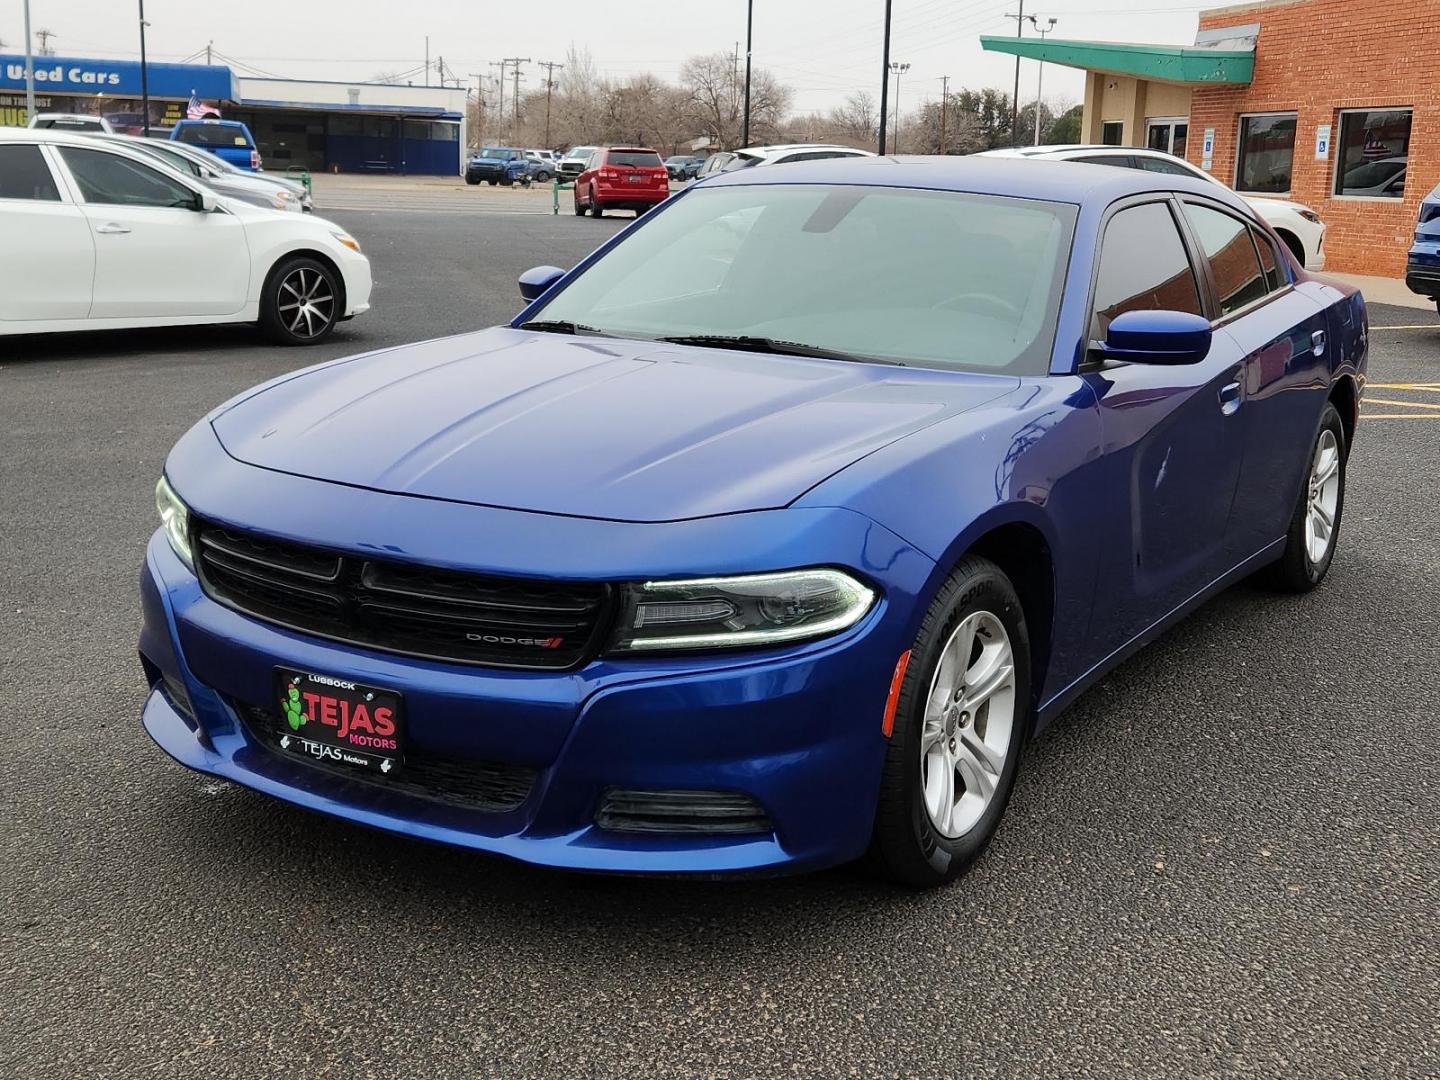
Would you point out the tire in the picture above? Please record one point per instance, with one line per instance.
(508, 182)
(579, 210)
(492, 183)
(473, 181)
(977, 607)
(302, 302)
(542, 177)
(1304, 564)
(596, 210)
(1293, 243)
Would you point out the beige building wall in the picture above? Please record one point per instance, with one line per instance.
(1130, 101)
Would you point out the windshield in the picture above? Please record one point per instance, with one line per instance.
(581, 152)
(170, 157)
(934, 278)
(213, 135)
(496, 154)
(1374, 173)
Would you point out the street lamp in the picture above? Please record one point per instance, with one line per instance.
(1040, 82)
(884, 77)
(897, 69)
(29, 68)
(749, 27)
(144, 76)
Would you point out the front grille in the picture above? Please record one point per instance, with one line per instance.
(715, 812)
(403, 607)
(466, 782)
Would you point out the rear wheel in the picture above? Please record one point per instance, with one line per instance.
(1293, 243)
(542, 177)
(301, 302)
(1315, 524)
(960, 724)
(596, 210)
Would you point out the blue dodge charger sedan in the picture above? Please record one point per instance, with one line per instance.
(765, 538)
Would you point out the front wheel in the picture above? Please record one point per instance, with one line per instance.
(301, 302)
(579, 208)
(961, 721)
(1315, 523)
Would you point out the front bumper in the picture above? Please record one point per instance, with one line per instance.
(797, 730)
(1422, 269)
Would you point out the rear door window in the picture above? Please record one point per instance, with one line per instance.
(1143, 267)
(1234, 264)
(24, 174)
(1124, 161)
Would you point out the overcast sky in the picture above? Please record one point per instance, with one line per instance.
(824, 49)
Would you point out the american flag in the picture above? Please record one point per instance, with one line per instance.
(1374, 149)
(198, 110)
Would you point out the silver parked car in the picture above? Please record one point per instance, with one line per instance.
(258, 189)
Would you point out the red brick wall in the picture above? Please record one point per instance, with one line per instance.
(1314, 58)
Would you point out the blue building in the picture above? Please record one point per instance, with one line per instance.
(344, 127)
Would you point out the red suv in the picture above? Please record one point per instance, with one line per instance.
(621, 178)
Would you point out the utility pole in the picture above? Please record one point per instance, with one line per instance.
(144, 77)
(749, 28)
(427, 59)
(1015, 98)
(209, 48)
(29, 69)
(516, 61)
(884, 77)
(898, 69)
(549, 66)
(479, 132)
(944, 103)
(500, 82)
(1040, 83)
(45, 36)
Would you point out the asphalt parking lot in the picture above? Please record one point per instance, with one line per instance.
(1224, 860)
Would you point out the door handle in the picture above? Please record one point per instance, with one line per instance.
(111, 228)
(1317, 342)
(1229, 398)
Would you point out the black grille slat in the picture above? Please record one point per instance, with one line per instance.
(283, 557)
(681, 811)
(471, 783)
(409, 609)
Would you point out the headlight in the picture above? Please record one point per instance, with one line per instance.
(731, 612)
(1309, 215)
(286, 195)
(175, 518)
(348, 240)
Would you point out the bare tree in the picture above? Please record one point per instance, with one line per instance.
(714, 95)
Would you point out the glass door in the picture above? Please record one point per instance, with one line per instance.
(1168, 135)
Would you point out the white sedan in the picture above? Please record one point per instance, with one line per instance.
(1296, 224)
(99, 236)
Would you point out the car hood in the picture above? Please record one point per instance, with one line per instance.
(587, 426)
(1276, 205)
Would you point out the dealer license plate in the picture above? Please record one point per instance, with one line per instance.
(336, 721)
(636, 178)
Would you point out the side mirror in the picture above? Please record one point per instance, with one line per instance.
(1157, 337)
(537, 279)
(205, 202)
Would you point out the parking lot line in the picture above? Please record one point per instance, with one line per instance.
(1420, 386)
(1408, 326)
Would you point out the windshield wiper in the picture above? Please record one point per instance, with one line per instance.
(747, 343)
(561, 326)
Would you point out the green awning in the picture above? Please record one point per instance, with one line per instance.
(1162, 63)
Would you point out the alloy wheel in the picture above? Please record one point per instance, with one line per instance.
(969, 716)
(1323, 499)
(306, 303)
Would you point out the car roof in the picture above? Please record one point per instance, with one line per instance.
(1052, 181)
(781, 148)
(88, 140)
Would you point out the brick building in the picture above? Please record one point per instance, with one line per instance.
(1332, 103)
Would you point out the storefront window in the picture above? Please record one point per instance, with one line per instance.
(1372, 153)
(1266, 156)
